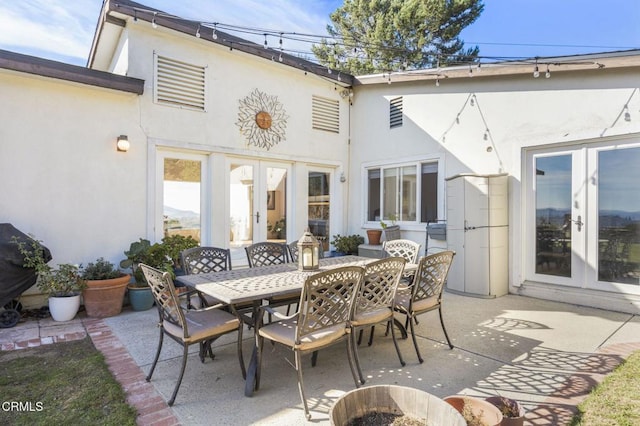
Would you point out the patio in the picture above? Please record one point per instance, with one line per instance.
(547, 355)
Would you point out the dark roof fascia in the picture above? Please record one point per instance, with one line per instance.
(77, 74)
(184, 26)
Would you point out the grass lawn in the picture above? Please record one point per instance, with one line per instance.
(61, 384)
(614, 401)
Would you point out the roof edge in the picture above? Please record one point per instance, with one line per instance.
(74, 73)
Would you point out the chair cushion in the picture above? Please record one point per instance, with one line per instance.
(372, 317)
(402, 300)
(203, 324)
(285, 332)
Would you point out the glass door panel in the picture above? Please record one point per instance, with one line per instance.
(258, 205)
(241, 209)
(181, 195)
(618, 213)
(276, 197)
(319, 207)
(553, 215)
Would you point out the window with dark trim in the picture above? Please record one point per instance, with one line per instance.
(404, 192)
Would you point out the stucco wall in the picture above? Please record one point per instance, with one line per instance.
(518, 112)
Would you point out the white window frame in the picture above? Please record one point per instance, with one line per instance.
(399, 163)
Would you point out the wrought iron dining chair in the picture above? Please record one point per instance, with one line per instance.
(425, 293)
(266, 253)
(375, 301)
(406, 249)
(202, 260)
(327, 304)
(271, 253)
(187, 327)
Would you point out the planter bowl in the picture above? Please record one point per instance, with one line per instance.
(484, 411)
(400, 400)
(103, 298)
(501, 403)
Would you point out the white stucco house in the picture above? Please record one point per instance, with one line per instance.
(233, 143)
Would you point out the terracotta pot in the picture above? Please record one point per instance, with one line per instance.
(511, 406)
(374, 236)
(480, 409)
(103, 298)
(400, 400)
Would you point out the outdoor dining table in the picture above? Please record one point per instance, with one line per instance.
(254, 285)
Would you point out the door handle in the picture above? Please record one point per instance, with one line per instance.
(257, 217)
(578, 222)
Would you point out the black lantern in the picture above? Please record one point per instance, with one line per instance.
(308, 252)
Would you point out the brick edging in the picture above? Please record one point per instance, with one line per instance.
(560, 409)
(152, 408)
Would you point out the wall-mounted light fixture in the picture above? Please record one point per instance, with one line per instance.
(122, 144)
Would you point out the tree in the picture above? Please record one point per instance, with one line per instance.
(371, 36)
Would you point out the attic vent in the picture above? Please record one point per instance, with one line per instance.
(395, 112)
(325, 114)
(179, 84)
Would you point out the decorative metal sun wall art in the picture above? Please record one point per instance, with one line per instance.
(262, 119)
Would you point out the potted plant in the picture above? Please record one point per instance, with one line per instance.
(512, 411)
(142, 251)
(347, 244)
(174, 245)
(62, 285)
(105, 288)
(476, 411)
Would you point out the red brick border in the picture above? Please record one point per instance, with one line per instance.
(152, 408)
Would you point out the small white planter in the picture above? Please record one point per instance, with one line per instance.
(64, 308)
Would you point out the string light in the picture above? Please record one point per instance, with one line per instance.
(358, 49)
(548, 73)
(280, 58)
(472, 102)
(437, 82)
(198, 32)
(389, 79)
(486, 134)
(536, 72)
(627, 115)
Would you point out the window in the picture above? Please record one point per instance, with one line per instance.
(406, 192)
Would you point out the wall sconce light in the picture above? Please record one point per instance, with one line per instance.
(122, 144)
(308, 252)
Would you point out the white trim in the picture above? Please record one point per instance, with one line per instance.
(401, 162)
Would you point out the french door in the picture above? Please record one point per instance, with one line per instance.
(258, 204)
(583, 216)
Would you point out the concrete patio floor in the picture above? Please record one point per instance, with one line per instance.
(547, 355)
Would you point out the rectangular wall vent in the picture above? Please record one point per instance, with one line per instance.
(325, 114)
(179, 84)
(395, 112)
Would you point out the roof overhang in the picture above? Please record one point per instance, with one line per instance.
(61, 71)
(607, 60)
(116, 13)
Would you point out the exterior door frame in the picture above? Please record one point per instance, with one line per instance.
(584, 203)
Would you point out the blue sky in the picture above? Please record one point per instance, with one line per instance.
(63, 30)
